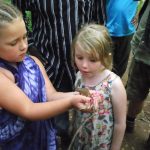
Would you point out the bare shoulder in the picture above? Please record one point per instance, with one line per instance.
(118, 88)
(116, 81)
(35, 59)
(7, 74)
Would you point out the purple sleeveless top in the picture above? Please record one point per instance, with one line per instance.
(17, 133)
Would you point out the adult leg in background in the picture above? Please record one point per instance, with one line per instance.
(137, 90)
(121, 52)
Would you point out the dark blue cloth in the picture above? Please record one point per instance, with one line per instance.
(17, 133)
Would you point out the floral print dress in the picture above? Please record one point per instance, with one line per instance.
(93, 131)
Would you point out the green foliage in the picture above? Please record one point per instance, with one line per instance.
(28, 17)
(28, 20)
(140, 4)
(9, 1)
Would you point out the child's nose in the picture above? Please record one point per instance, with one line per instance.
(23, 45)
(85, 64)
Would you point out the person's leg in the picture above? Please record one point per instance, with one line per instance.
(121, 52)
(134, 108)
(137, 90)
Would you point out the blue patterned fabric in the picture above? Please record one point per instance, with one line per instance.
(17, 133)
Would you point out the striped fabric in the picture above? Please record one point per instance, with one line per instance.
(55, 23)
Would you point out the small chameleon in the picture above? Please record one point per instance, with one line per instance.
(84, 91)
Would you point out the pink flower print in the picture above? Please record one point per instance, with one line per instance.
(103, 145)
(101, 97)
(101, 109)
(105, 84)
(95, 99)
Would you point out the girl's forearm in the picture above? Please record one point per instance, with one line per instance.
(60, 95)
(47, 109)
(118, 134)
(55, 96)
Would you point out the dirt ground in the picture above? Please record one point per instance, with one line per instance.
(136, 140)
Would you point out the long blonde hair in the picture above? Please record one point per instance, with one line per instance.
(95, 41)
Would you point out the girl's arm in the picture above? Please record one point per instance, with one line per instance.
(119, 102)
(15, 101)
(52, 94)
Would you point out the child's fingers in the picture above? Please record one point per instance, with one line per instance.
(86, 108)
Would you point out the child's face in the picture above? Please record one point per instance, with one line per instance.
(88, 66)
(13, 41)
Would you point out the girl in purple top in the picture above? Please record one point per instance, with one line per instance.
(27, 98)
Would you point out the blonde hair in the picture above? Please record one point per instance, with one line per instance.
(8, 13)
(95, 41)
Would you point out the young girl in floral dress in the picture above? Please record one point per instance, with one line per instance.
(103, 129)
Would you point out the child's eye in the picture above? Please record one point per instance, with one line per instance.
(13, 43)
(79, 57)
(93, 60)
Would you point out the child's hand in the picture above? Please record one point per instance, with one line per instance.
(85, 92)
(81, 102)
(95, 98)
